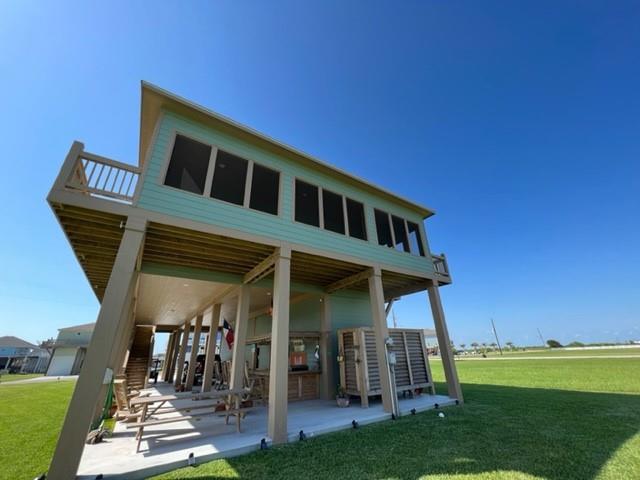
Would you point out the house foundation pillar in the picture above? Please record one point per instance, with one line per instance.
(97, 371)
(279, 366)
(376, 297)
(240, 337)
(183, 353)
(210, 359)
(444, 343)
(195, 347)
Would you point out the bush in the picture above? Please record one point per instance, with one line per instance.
(554, 343)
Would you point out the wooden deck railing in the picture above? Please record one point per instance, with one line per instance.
(103, 177)
(440, 264)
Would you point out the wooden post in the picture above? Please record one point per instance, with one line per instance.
(327, 384)
(183, 353)
(240, 336)
(113, 316)
(210, 359)
(279, 368)
(444, 343)
(174, 356)
(167, 356)
(376, 296)
(195, 346)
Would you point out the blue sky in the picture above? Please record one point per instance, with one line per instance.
(518, 122)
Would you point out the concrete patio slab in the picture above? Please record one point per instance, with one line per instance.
(167, 447)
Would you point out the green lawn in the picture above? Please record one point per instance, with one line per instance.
(523, 419)
(12, 377)
(30, 420)
(554, 352)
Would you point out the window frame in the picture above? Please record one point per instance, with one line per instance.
(215, 148)
(420, 230)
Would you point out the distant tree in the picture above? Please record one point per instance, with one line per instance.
(554, 343)
(48, 345)
(509, 345)
(463, 345)
(493, 345)
(576, 344)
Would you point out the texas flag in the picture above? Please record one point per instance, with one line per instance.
(227, 331)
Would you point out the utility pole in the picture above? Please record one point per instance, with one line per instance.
(496, 335)
(541, 339)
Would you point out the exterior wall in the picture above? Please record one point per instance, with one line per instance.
(74, 338)
(349, 309)
(62, 361)
(167, 200)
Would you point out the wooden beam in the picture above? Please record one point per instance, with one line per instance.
(195, 346)
(262, 269)
(351, 280)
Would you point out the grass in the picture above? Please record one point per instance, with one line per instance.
(553, 352)
(30, 420)
(12, 377)
(523, 419)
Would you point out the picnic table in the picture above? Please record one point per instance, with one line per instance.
(230, 399)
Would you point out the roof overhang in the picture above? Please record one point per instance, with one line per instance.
(155, 100)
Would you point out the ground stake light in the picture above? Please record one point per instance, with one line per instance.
(354, 424)
(192, 459)
(263, 444)
(413, 411)
(302, 436)
(436, 406)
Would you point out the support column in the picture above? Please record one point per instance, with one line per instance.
(113, 316)
(210, 359)
(240, 337)
(183, 353)
(376, 296)
(195, 347)
(327, 382)
(444, 343)
(174, 355)
(279, 368)
(166, 367)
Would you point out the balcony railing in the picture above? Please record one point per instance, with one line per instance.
(440, 264)
(102, 177)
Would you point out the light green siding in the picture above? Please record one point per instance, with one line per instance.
(159, 198)
(349, 309)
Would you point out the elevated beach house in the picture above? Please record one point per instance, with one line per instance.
(279, 268)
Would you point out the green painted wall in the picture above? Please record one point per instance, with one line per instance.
(156, 197)
(349, 309)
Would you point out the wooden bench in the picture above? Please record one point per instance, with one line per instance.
(232, 400)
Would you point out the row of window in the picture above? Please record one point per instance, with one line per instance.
(190, 164)
(337, 213)
(398, 233)
(196, 168)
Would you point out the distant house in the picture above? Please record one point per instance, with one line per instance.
(70, 349)
(19, 356)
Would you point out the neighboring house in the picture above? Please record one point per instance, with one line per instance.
(18, 356)
(70, 349)
(218, 227)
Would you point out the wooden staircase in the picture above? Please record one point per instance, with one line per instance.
(137, 370)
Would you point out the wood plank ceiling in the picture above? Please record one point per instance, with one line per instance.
(95, 237)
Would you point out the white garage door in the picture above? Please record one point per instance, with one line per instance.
(62, 361)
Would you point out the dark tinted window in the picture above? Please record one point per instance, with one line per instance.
(333, 212)
(229, 178)
(264, 189)
(400, 234)
(383, 228)
(355, 218)
(307, 204)
(188, 165)
(415, 239)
